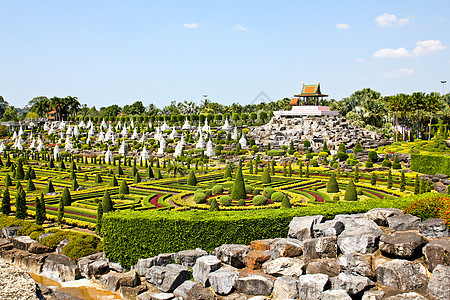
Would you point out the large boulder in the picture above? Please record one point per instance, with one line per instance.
(112, 281)
(437, 253)
(38, 248)
(233, 255)
(402, 274)
(433, 228)
(255, 285)
(328, 267)
(255, 258)
(84, 262)
(380, 215)
(439, 284)
(352, 284)
(22, 242)
(204, 266)
(261, 244)
(9, 232)
(143, 265)
(285, 287)
(360, 236)
(222, 281)
(402, 244)
(323, 247)
(286, 247)
(188, 258)
(183, 289)
(200, 293)
(167, 278)
(357, 264)
(31, 262)
(403, 222)
(60, 268)
(328, 228)
(98, 267)
(284, 266)
(311, 286)
(301, 227)
(336, 295)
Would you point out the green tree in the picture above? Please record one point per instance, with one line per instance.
(30, 185)
(137, 178)
(50, 187)
(192, 180)
(389, 180)
(6, 202)
(21, 203)
(402, 182)
(423, 187)
(265, 177)
(227, 172)
(123, 189)
(119, 170)
(396, 165)
(373, 179)
(19, 171)
(60, 216)
(98, 226)
(98, 178)
(285, 203)
(150, 172)
(356, 175)
(8, 181)
(350, 192)
(332, 185)
(416, 185)
(41, 214)
(113, 181)
(67, 198)
(358, 148)
(75, 185)
(213, 206)
(107, 204)
(238, 191)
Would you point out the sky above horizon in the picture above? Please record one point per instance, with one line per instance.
(119, 52)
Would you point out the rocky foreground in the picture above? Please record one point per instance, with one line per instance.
(15, 283)
(382, 254)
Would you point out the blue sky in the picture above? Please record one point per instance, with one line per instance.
(118, 52)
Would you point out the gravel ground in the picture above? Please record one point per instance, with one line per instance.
(15, 283)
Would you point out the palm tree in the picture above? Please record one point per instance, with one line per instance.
(432, 101)
(40, 105)
(73, 105)
(176, 167)
(57, 104)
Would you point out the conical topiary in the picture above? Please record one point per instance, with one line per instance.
(123, 189)
(158, 175)
(137, 178)
(350, 192)
(8, 181)
(60, 216)
(332, 185)
(192, 180)
(67, 198)
(119, 170)
(6, 203)
(38, 216)
(62, 166)
(227, 173)
(19, 171)
(285, 203)
(150, 172)
(265, 177)
(213, 206)
(358, 148)
(98, 178)
(113, 181)
(389, 179)
(30, 185)
(50, 187)
(21, 203)
(75, 185)
(107, 204)
(98, 226)
(238, 191)
(396, 165)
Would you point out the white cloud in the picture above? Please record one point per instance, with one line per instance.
(422, 48)
(240, 27)
(398, 73)
(342, 26)
(190, 25)
(388, 20)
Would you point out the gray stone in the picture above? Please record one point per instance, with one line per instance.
(9, 232)
(184, 288)
(201, 293)
(440, 187)
(353, 284)
(22, 242)
(204, 266)
(284, 266)
(359, 237)
(407, 296)
(162, 296)
(373, 295)
(285, 288)
(112, 281)
(336, 295)
(161, 260)
(167, 278)
(380, 215)
(255, 285)
(233, 255)
(403, 222)
(402, 244)
(117, 267)
(61, 245)
(286, 247)
(222, 281)
(437, 253)
(98, 267)
(328, 228)
(44, 235)
(301, 227)
(60, 268)
(439, 284)
(311, 286)
(402, 274)
(127, 292)
(188, 258)
(328, 267)
(433, 228)
(38, 248)
(357, 264)
(323, 247)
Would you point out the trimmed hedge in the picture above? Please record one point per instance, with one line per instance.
(131, 235)
(431, 163)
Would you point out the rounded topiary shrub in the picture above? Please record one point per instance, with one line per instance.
(386, 162)
(332, 185)
(241, 202)
(200, 198)
(314, 163)
(259, 200)
(350, 192)
(256, 191)
(208, 192)
(268, 191)
(369, 164)
(199, 190)
(217, 189)
(277, 197)
(225, 200)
